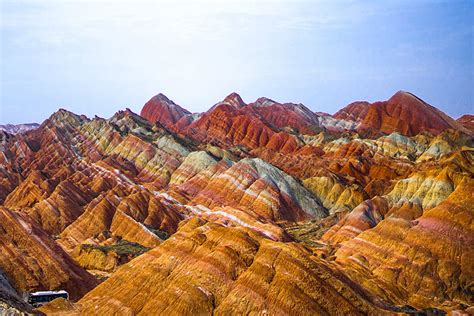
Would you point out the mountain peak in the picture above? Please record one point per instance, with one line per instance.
(125, 113)
(406, 98)
(161, 108)
(162, 98)
(235, 100)
(264, 101)
(63, 117)
(404, 112)
(403, 92)
(467, 120)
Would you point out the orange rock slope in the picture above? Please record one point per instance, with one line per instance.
(210, 269)
(414, 245)
(265, 208)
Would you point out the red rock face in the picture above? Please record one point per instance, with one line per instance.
(284, 115)
(231, 122)
(467, 121)
(355, 111)
(161, 109)
(403, 112)
(415, 246)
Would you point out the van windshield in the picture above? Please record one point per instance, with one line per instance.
(41, 298)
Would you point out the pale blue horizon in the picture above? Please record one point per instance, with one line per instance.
(97, 57)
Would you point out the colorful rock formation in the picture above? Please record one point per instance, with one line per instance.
(207, 268)
(467, 120)
(403, 112)
(161, 109)
(270, 208)
(32, 260)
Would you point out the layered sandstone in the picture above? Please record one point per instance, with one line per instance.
(33, 261)
(160, 108)
(294, 211)
(422, 262)
(403, 112)
(467, 121)
(239, 272)
(412, 245)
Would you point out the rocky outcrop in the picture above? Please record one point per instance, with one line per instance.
(263, 189)
(365, 216)
(33, 261)
(227, 125)
(403, 112)
(335, 194)
(107, 255)
(408, 198)
(283, 115)
(422, 262)
(10, 301)
(356, 111)
(194, 163)
(163, 110)
(238, 272)
(411, 246)
(467, 121)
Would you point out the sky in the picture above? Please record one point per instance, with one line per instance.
(97, 57)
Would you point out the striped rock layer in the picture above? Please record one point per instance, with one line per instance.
(270, 208)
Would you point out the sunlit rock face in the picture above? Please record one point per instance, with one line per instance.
(403, 112)
(423, 261)
(467, 120)
(256, 185)
(413, 244)
(227, 125)
(161, 109)
(207, 268)
(334, 193)
(260, 207)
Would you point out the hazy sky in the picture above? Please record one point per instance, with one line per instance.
(96, 57)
